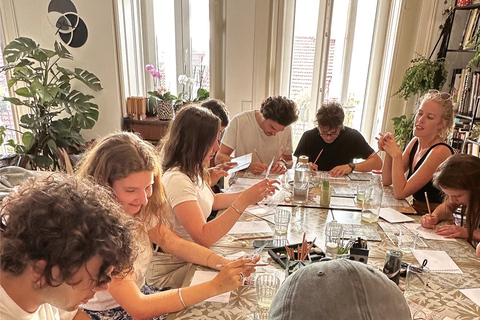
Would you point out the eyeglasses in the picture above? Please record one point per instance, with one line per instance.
(442, 95)
(328, 135)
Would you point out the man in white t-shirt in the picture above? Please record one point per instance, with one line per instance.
(61, 240)
(266, 133)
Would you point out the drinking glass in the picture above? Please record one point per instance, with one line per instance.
(333, 234)
(266, 287)
(282, 219)
(416, 279)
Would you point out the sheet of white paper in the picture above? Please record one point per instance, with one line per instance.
(250, 227)
(472, 294)
(426, 233)
(393, 216)
(204, 276)
(342, 202)
(242, 163)
(260, 211)
(438, 261)
(246, 182)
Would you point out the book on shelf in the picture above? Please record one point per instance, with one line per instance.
(455, 84)
(473, 149)
(470, 28)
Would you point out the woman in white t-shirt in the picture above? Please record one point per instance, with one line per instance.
(130, 166)
(191, 144)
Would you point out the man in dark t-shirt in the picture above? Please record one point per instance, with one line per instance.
(340, 144)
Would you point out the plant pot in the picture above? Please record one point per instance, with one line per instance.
(165, 110)
(152, 106)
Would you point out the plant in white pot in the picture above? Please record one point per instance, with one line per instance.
(56, 111)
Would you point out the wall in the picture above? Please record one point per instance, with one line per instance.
(98, 55)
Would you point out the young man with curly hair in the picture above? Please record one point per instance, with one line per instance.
(267, 131)
(62, 239)
(340, 144)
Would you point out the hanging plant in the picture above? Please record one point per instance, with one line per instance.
(423, 75)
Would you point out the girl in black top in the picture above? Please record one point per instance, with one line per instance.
(422, 156)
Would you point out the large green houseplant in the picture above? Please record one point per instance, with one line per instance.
(423, 75)
(56, 111)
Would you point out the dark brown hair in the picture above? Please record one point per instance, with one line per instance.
(218, 108)
(191, 135)
(64, 221)
(279, 109)
(330, 115)
(462, 172)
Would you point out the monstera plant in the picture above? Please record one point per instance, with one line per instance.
(55, 111)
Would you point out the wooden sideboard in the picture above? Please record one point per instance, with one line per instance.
(150, 129)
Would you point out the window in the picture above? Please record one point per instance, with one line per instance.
(185, 51)
(6, 115)
(345, 67)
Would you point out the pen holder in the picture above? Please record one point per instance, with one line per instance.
(359, 254)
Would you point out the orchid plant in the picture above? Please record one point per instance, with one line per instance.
(187, 87)
(160, 93)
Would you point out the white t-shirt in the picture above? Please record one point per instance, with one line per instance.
(243, 134)
(9, 310)
(103, 300)
(179, 189)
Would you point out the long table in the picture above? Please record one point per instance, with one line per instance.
(443, 296)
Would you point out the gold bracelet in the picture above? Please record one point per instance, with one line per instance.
(211, 254)
(181, 298)
(236, 209)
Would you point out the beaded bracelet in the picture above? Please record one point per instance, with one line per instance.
(181, 298)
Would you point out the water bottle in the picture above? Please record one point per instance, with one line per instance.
(373, 202)
(301, 180)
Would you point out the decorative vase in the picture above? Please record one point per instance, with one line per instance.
(164, 110)
(152, 106)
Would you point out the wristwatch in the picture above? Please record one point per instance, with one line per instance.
(352, 165)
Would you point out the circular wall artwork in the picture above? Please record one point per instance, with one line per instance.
(62, 15)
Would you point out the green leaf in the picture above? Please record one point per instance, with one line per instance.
(39, 55)
(52, 145)
(84, 76)
(24, 92)
(18, 49)
(43, 162)
(62, 51)
(2, 133)
(27, 119)
(14, 101)
(28, 139)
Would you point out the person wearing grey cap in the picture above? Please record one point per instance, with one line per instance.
(339, 289)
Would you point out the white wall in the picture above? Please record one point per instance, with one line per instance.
(98, 55)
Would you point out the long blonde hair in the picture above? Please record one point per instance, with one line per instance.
(118, 155)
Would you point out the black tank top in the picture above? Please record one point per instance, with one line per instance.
(434, 195)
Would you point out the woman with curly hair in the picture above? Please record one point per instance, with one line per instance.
(422, 156)
(130, 166)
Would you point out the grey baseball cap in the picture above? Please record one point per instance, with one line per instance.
(339, 289)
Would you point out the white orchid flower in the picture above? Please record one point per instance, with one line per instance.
(182, 79)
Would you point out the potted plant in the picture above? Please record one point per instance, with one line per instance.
(160, 102)
(185, 97)
(423, 75)
(56, 111)
(403, 130)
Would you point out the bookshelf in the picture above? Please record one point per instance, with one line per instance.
(465, 82)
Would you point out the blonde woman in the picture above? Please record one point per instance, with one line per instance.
(130, 166)
(422, 156)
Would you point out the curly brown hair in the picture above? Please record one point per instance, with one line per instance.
(330, 115)
(279, 109)
(64, 221)
(118, 155)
